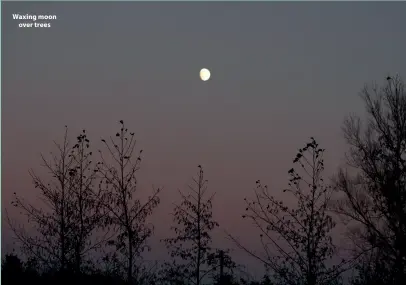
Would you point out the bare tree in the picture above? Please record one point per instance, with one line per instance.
(50, 242)
(127, 213)
(374, 202)
(70, 212)
(89, 215)
(296, 240)
(194, 257)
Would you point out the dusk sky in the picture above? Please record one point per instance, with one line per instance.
(281, 73)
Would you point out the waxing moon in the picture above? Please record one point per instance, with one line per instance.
(204, 74)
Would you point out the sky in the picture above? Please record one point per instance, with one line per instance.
(281, 73)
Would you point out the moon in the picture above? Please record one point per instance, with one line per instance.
(204, 74)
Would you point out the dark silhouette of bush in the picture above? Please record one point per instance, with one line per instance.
(12, 270)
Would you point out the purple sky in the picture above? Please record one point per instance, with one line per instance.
(281, 72)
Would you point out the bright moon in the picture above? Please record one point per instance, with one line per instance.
(205, 74)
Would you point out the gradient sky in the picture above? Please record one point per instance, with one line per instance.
(281, 72)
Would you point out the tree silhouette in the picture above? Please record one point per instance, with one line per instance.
(191, 249)
(51, 244)
(65, 228)
(88, 216)
(127, 214)
(374, 202)
(296, 240)
(86, 207)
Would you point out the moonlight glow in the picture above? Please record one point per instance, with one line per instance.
(205, 74)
